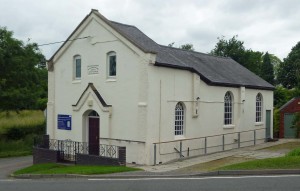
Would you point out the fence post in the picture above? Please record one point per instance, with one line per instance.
(180, 149)
(239, 139)
(205, 145)
(254, 137)
(223, 141)
(154, 154)
(122, 156)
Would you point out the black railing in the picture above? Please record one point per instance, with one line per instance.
(208, 144)
(68, 148)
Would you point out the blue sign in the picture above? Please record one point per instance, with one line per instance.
(64, 122)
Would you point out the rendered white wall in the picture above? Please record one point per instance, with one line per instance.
(143, 98)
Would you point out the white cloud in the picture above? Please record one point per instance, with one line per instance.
(263, 25)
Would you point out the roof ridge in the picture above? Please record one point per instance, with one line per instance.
(206, 54)
(122, 24)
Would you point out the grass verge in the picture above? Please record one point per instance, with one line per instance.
(270, 163)
(51, 168)
(290, 161)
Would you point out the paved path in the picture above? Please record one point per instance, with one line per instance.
(254, 152)
(9, 165)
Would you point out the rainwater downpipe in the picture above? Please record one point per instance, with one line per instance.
(159, 126)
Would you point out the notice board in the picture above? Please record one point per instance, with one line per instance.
(64, 122)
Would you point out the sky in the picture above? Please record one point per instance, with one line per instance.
(262, 25)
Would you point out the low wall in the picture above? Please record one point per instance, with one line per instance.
(41, 155)
(84, 159)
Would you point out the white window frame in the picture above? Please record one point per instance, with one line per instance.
(75, 77)
(179, 119)
(109, 55)
(228, 109)
(258, 108)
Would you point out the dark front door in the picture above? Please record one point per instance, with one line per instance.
(94, 136)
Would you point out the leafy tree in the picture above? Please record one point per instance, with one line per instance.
(171, 44)
(267, 71)
(187, 47)
(235, 49)
(289, 69)
(20, 77)
(275, 62)
(283, 95)
(252, 60)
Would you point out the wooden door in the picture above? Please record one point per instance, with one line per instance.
(289, 132)
(93, 136)
(268, 124)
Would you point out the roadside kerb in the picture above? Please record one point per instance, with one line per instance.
(155, 175)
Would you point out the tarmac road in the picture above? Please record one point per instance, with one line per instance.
(243, 183)
(9, 165)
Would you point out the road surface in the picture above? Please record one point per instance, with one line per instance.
(9, 165)
(244, 183)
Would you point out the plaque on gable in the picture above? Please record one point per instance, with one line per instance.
(64, 122)
(93, 69)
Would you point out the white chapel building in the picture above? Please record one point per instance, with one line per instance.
(115, 85)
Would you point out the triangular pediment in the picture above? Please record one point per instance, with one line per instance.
(90, 95)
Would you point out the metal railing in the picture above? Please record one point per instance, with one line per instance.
(68, 148)
(209, 144)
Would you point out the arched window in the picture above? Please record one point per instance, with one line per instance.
(228, 108)
(111, 64)
(259, 104)
(179, 119)
(77, 67)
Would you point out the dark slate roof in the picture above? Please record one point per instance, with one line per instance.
(214, 70)
(218, 71)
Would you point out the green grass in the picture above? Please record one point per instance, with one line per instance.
(294, 152)
(271, 163)
(17, 131)
(51, 168)
(11, 148)
(290, 161)
(26, 118)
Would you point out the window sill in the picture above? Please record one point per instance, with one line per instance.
(229, 126)
(179, 137)
(76, 81)
(259, 123)
(111, 80)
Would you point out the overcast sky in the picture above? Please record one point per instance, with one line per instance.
(263, 25)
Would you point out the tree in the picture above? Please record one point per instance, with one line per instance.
(252, 60)
(187, 46)
(20, 77)
(235, 49)
(267, 71)
(275, 61)
(289, 69)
